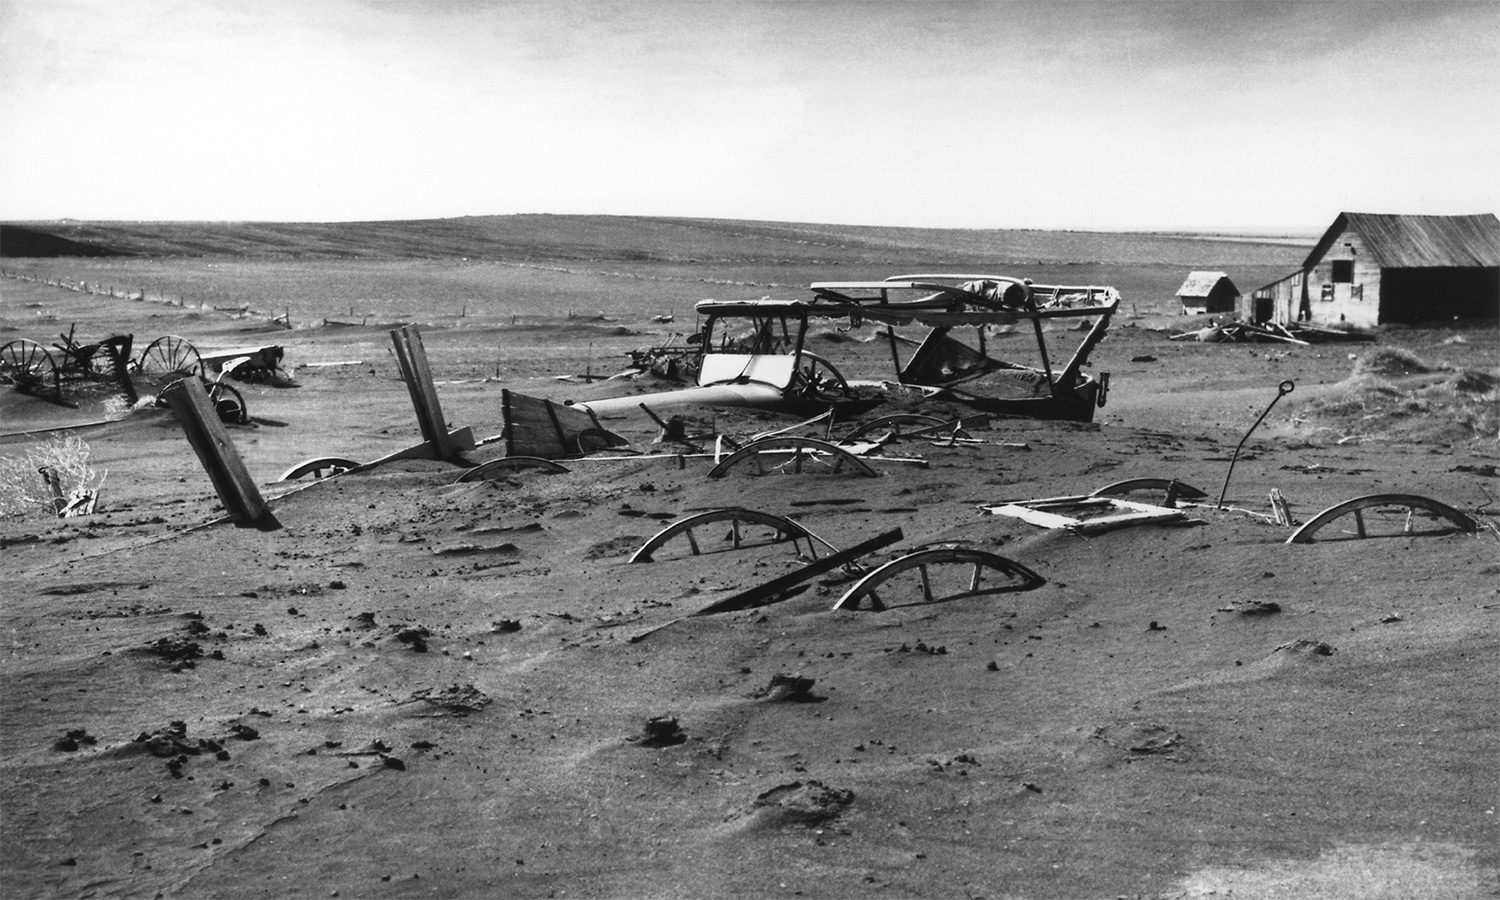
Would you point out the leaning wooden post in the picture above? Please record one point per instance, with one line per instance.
(200, 422)
(412, 358)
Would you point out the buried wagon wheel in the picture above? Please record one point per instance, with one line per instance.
(782, 530)
(169, 356)
(894, 427)
(28, 366)
(229, 403)
(1385, 515)
(796, 453)
(816, 376)
(1014, 577)
(496, 468)
(319, 468)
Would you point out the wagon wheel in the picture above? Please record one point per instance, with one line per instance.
(816, 376)
(98, 363)
(796, 453)
(894, 425)
(28, 366)
(229, 403)
(784, 530)
(1385, 515)
(1183, 491)
(1016, 577)
(496, 467)
(169, 356)
(319, 468)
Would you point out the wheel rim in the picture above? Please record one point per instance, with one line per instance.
(28, 366)
(170, 355)
(229, 404)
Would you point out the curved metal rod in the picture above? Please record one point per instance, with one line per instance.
(1149, 484)
(333, 465)
(786, 531)
(1286, 387)
(489, 470)
(1025, 579)
(799, 447)
(894, 422)
(1304, 535)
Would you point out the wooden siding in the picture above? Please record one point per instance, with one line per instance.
(1283, 297)
(1352, 305)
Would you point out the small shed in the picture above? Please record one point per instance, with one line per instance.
(1372, 269)
(1208, 292)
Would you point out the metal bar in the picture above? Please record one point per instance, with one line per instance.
(1286, 387)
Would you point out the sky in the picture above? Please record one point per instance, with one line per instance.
(1125, 115)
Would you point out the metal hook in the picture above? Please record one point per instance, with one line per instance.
(1286, 387)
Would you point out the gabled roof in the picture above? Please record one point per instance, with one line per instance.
(1202, 284)
(1417, 242)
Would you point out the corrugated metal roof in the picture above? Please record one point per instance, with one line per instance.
(1201, 284)
(1419, 242)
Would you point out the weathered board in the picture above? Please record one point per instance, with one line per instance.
(537, 427)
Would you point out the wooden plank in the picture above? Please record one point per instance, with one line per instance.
(1107, 523)
(412, 358)
(1034, 516)
(200, 422)
(537, 427)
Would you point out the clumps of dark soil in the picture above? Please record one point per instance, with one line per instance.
(415, 637)
(459, 699)
(1252, 607)
(73, 739)
(244, 732)
(179, 651)
(1141, 739)
(808, 804)
(661, 731)
(1305, 648)
(173, 744)
(963, 761)
(788, 689)
(169, 741)
(921, 647)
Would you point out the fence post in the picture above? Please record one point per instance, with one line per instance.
(200, 422)
(412, 358)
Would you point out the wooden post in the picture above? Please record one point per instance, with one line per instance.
(412, 358)
(200, 422)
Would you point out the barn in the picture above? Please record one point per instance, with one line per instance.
(1373, 269)
(1208, 292)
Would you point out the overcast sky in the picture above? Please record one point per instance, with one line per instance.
(1119, 115)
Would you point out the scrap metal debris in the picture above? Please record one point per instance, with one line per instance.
(1247, 332)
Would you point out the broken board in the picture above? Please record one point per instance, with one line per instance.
(1085, 515)
(537, 427)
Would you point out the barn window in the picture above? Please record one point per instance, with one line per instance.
(1343, 271)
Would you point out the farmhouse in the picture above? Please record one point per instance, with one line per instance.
(1208, 292)
(1372, 269)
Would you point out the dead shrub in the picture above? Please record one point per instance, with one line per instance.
(1391, 362)
(24, 491)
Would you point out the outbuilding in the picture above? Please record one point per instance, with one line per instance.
(1373, 269)
(1208, 292)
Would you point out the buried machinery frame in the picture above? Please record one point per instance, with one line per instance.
(768, 365)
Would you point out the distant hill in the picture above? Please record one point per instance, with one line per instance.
(16, 240)
(642, 239)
